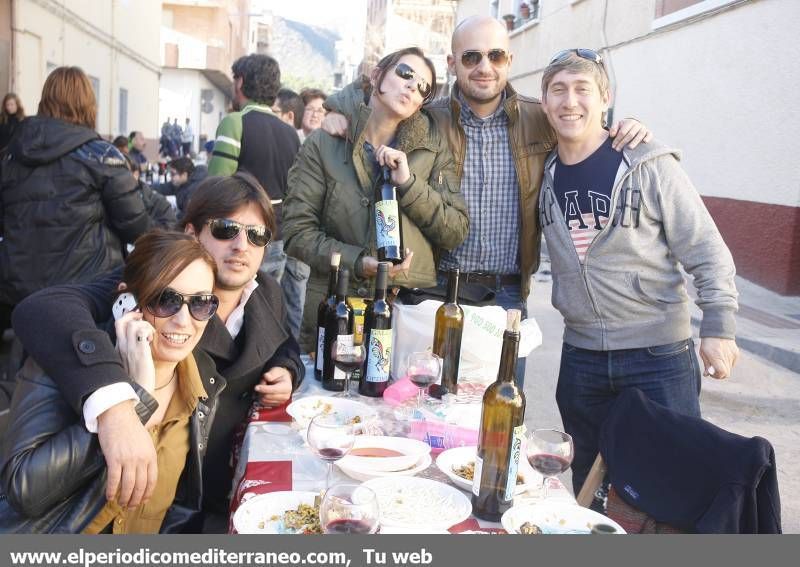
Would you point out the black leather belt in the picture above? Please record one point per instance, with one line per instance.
(493, 281)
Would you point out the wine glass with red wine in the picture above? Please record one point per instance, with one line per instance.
(424, 369)
(348, 358)
(330, 437)
(550, 453)
(349, 509)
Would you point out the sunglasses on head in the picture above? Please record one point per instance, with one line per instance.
(472, 57)
(588, 54)
(406, 73)
(202, 306)
(226, 229)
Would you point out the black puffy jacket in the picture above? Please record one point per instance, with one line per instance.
(52, 471)
(67, 205)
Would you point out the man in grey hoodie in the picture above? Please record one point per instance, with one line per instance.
(617, 228)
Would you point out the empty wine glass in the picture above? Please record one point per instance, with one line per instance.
(424, 369)
(330, 437)
(349, 509)
(550, 453)
(347, 357)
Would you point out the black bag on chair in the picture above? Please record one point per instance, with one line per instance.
(687, 472)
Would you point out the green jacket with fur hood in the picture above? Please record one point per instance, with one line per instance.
(331, 204)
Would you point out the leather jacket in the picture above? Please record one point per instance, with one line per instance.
(53, 473)
(531, 139)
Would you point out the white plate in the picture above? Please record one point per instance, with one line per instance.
(409, 501)
(253, 516)
(305, 409)
(412, 530)
(411, 449)
(555, 518)
(358, 473)
(460, 456)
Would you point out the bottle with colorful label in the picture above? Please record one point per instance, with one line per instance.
(388, 227)
(377, 339)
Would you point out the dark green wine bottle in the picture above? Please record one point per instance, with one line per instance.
(501, 435)
(447, 334)
(327, 304)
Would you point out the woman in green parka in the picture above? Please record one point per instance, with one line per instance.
(330, 206)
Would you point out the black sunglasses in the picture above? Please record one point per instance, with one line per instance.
(406, 73)
(472, 57)
(588, 54)
(202, 306)
(226, 229)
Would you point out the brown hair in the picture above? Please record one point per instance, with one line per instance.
(67, 94)
(312, 94)
(575, 64)
(157, 259)
(221, 197)
(388, 63)
(4, 116)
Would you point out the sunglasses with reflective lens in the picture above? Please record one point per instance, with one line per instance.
(472, 57)
(406, 73)
(202, 306)
(226, 229)
(589, 54)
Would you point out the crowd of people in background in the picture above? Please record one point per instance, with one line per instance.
(248, 255)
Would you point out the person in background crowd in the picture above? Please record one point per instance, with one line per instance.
(121, 143)
(185, 176)
(499, 140)
(176, 137)
(53, 472)
(137, 144)
(166, 147)
(289, 108)
(11, 115)
(249, 340)
(254, 139)
(158, 208)
(313, 111)
(187, 137)
(330, 206)
(618, 228)
(68, 203)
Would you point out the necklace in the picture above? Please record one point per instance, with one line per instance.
(174, 374)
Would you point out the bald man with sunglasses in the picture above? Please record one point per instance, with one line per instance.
(249, 340)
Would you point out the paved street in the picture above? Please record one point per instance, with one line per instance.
(760, 399)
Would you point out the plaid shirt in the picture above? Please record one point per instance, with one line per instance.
(490, 187)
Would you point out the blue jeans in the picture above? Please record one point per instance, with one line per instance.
(293, 275)
(589, 381)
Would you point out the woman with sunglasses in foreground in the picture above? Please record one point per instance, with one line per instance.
(53, 471)
(331, 203)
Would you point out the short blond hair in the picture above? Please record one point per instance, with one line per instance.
(573, 63)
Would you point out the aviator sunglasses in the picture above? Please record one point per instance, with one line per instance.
(226, 229)
(588, 54)
(472, 57)
(202, 306)
(406, 73)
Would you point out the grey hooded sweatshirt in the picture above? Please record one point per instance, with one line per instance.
(629, 291)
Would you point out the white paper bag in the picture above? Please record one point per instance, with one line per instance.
(481, 343)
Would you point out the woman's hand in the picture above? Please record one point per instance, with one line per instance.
(134, 336)
(369, 266)
(396, 161)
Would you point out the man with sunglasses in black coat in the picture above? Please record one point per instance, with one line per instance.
(249, 340)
